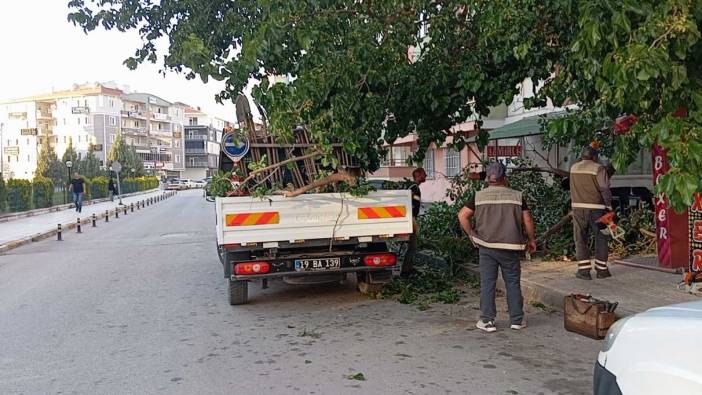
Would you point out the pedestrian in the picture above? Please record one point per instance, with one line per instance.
(77, 186)
(590, 199)
(502, 218)
(111, 188)
(418, 176)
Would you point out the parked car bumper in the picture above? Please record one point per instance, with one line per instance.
(605, 382)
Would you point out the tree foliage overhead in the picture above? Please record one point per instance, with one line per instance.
(353, 81)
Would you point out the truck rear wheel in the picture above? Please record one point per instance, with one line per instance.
(238, 292)
(366, 284)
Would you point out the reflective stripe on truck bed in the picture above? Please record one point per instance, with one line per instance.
(382, 212)
(250, 219)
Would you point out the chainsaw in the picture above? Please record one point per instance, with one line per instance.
(610, 228)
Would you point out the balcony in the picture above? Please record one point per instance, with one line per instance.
(195, 151)
(161, 133)
(160, 117)
(44, 115)
(195, 137)
(132, 114)
(134, 131)
(197, 163)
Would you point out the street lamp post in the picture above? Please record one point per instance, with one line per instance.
(69, 164)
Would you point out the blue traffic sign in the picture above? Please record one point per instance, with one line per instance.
(235, 146)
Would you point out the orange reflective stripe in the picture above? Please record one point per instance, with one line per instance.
(249, 219)
(382, 212)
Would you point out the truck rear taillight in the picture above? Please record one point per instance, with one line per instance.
(252, 268)
(380, 260)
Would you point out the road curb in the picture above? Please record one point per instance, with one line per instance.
(534, 292)
(69, 226)
(8, 217)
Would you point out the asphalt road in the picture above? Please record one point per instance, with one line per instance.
(138, 306)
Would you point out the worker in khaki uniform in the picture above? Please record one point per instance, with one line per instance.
(501, 219)
(419, 175)
(590, 200)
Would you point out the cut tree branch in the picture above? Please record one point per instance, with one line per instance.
(274, 166)
(342, 176)
(551, 170)
(555, 228)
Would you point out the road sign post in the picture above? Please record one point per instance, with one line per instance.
(117, 167)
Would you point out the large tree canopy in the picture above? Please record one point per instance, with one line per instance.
(353, 81)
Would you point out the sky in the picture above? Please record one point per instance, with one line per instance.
(41, 50)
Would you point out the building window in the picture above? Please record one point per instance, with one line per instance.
(112, 121)
(453, 162)
(429, 163)
(28, 159)
(79, 138)
(192, 162)
(112, 138)
(192, 121)
(78, 120)
(87, 121)
(64, 139)
(177, 143)
(64, 121)
(177, 158)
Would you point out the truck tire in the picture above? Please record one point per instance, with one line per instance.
(364, 286)
(238, 292)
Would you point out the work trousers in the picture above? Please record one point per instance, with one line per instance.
(408, 262)
(78, 201)
(584, 222)
(508, 261)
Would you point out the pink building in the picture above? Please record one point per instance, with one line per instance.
(440, 162)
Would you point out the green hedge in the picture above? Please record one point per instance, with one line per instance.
(98, 187)
(131, 185)
(42, 192)
(19, 195)
(3, 194)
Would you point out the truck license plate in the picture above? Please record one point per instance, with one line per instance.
(317, 264)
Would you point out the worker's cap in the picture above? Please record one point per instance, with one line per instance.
(589, 152)
(495, 172)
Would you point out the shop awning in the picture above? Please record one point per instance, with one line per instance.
(527, 126)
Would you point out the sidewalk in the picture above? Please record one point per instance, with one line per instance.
(635, 289)
(25, 230)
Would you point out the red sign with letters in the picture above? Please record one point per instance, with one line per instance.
(504, 150)
(673, 230)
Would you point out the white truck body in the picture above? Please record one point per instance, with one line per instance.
(242, 220)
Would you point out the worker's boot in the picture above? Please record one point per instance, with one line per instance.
(603, 273)
(583, 274)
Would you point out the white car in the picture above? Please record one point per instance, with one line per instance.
(652, 353)
(199, 183)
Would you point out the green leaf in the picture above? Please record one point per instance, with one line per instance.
(643, 75)
(357, 376)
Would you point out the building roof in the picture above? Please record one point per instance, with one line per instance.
(75, 91)
(527, 126)
(146, 98)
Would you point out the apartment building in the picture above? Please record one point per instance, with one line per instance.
(154, 126)
(203, 135)
(92, 114)
(81, 116)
